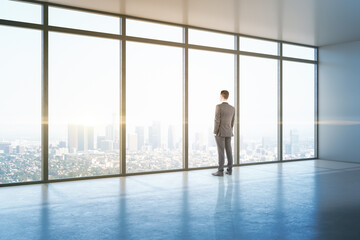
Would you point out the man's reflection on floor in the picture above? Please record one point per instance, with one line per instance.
(223, 220)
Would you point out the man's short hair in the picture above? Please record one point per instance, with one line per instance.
(225, 94)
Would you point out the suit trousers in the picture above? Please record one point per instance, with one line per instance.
(224, 143)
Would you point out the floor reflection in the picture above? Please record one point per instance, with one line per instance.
(223, 217)
(297, 200)
(44, 213)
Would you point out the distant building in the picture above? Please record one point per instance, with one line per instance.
(72, 137)
(90, 138)
(20, 149)
(104, 145)
(287, 148)
(110, 132)
(6, 147)
(8, 150)
(116, 145)
(140, 137)
(198, 144)
(155, 135)
(62, 144)
(107, 145)
(99, 141)
(80, 138)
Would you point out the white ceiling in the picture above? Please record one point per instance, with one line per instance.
(313, 22)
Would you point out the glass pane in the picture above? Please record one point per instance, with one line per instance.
(258, 109)
(20, 105)
(20, 11)
(258, 46)
(154, 107)
(298, 110)
(295, 51)
(83, 106)
(209, 73)
(154, 31)
(61, 17)
(211, 39)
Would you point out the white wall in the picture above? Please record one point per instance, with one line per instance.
(339, 102)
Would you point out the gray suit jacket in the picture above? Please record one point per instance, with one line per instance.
(224, 120)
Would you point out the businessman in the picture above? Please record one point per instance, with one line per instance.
(223, 131)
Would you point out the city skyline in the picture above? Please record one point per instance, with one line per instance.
(103, 159)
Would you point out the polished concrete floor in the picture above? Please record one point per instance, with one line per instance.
(314, 199)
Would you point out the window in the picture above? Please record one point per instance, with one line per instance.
(61, 17)
(258, 109)
(209, 73)
(211, 39)
(84, 100)
(20, 105)
(295, 51)
(20, 11)
(258, 46)
(153, 107)
(154, 31)
(85, 93)
(298, 110)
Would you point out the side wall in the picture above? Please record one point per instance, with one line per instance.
(339, 102)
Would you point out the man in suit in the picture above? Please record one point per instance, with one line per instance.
(223, 131)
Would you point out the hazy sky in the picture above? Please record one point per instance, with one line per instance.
(20, 81)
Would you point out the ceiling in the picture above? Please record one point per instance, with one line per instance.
(312, 22)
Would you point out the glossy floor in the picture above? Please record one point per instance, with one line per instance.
(314, 199)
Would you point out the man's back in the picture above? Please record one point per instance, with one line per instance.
(224, 120)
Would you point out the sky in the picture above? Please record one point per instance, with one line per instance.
(84, 78)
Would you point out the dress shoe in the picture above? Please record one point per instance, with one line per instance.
(228, 172)
(219, 174)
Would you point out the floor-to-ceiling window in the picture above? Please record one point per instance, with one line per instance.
(84, 86)
(20, 104)
(154, 107)
(299, 86)
(258, 109)
(83, 106)
(154, 111)
(298, 110)
(209, 73)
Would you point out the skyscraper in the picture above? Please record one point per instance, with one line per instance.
(110, 132)
(72, 138)
(4, 145)
(20, 149)
(155, 135)
(99, 142)
(90, 137)
(80, 138)
(140, 137)
(62, 144)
